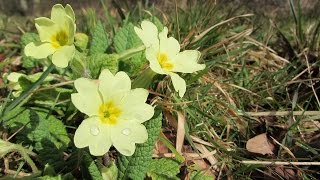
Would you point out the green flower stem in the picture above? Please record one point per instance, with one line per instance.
(167, 143)
(26, 157)
(30, 90)
(131, 52)
(7, 147)
(144, 79)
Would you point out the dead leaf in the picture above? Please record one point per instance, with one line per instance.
(170, 119)
(160, 148)
(212, 160)
(180, 131)
(260, 144)
(286, 173)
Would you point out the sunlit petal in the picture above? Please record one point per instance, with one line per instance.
(179, 84)
(39, 50)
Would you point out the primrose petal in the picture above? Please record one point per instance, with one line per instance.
(170, 46)
(38, 50)
(88, 99)
(136, 109)
(59, 31)
(63, 55)
(148, 33)
(179, 84)
(14, 76)
(126, 135)
(166, 57)
(117, 115)
(46, 28)
(152, 57)
(187, 62)
(109, 83)
(59, 14)
(70, 12)
(91, 133)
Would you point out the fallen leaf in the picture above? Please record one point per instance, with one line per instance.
(260, 144)
(170, 119)
(212, 160)
(180, 131)
(286, 173)
(160, 148)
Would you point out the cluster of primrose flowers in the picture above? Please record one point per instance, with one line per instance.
(115, 112)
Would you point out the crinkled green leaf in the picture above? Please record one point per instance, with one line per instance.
(50, 154)
(47, 135)
(125, 39)
(24, 82)
(49, 170)
(110, 172)
(48, 97)
(26, 38)
(79, 65)
(100, 40)
(98, 62)
(200, 175)
(163, 169)
(5, 147)
(157, 22)
(37, 128)
(89, 168)
(136, 166)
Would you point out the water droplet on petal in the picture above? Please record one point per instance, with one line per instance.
(126, 132)
(94, 130)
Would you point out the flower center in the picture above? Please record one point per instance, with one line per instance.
(109, 113)
(165, 62)
(59, 39)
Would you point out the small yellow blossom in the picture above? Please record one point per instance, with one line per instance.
(56, 35)
(164, 55)
(116, 113)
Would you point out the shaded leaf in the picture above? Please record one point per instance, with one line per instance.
(200, 175)
(100, 39)
(89, 168)
(125, 39)
(110, 172)
(98, 62)
(163, 169)
(26, 38)
(47, 135)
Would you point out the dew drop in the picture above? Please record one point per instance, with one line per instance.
(94, 130)
(126, 132)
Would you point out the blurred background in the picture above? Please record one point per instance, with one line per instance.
(267, 51)
(266, 7)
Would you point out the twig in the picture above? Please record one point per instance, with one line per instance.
(29, 90)
(281, 163)
(193, 156)
(55, 85)
(281, 113)
(311, 83)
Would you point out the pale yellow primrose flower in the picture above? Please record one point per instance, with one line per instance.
(13, 79)
(56, 35)
(165, 57)
(115, 113)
